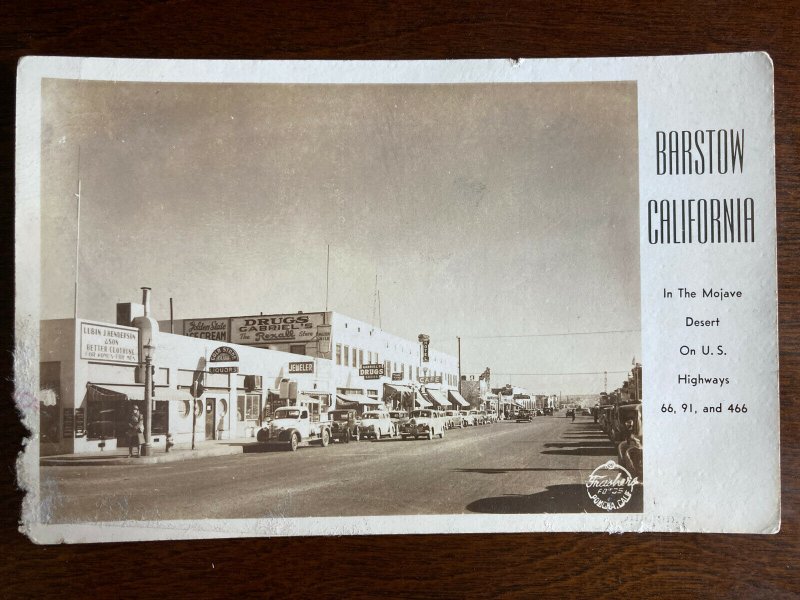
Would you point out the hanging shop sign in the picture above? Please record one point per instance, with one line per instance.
(430, 379)
(224, 354)
(371, 371)
(207, 329)
(324, 338)
(397, 377)
(277, 329)
(109, 343)
(424, 340)
(301, 367)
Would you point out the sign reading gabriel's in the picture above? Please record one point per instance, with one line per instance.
(266, 329)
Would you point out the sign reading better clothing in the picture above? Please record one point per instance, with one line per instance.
(276, 329)
(109, 343)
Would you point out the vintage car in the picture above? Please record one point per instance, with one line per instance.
(477, 418)
(423, 423)
(344, 425)
(375, 424)
(548, 411)
(624, 419)
(456, 419)
(523, 415)
(484, 417)
(468, 418)
(398, 417)
(445, 416)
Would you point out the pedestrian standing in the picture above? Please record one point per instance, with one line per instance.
(573, 415)
(135, 432)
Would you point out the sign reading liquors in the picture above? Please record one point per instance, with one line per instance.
(109, 343)
(276, 329)
(371, 371)
(301, 367)
(207, 329)
(223, 370)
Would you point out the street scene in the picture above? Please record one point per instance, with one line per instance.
(538, 466)
(348, 300)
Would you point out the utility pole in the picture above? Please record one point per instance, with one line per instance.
(459, 363)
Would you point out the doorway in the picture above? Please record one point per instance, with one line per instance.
(211, 413)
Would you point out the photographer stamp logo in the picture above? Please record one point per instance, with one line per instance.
(610, 486)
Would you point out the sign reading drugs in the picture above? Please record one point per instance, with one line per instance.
(276, 329)
(207, 329)
(109, 343)
(371, 371)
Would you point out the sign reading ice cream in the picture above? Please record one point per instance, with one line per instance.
(110, 344)
(207, 329)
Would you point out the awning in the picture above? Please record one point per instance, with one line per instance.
(437, 397)
(358, 399)
(109, 391)
(454, 395)
(307, 399)
(396, 387)
(422, 402)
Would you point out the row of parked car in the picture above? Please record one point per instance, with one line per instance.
(622, 423)
(347, 425)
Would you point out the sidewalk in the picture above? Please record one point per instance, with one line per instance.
(119, 456)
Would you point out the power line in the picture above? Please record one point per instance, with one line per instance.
(540, 374)
(527, 335)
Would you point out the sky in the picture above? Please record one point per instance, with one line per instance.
(506, 214)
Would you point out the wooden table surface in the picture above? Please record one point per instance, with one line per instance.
(523, 565)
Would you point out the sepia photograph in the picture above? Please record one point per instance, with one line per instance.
(280, 301)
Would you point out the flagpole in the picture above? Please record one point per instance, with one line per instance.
(77, 248)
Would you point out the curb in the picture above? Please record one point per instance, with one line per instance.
(174, 456)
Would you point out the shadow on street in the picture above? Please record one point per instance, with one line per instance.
(571, 498)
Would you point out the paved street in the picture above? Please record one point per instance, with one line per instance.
(504, 468)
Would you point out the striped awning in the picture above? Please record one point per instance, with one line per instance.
(459, 399)
(359, 399)
(108, 391)
(437, 397)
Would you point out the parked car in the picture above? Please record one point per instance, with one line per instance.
(548, 411)
(524, 415)
(375, 424)
(398, 417)
(344, 425)
(423, 423)
(456, 419)
(478, 420)
(468, 418)
(445, 417)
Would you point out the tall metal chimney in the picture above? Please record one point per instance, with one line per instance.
(146, 300)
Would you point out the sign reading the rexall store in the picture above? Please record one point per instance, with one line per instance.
(109, 343)
(276, 329)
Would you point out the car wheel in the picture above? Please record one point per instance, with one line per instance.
(326, 438)
(294, 442)
(441, 434)
(357, 436)
(416, 436)
(430, 434)
(346, 436)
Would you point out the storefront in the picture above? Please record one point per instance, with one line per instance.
(91, 377)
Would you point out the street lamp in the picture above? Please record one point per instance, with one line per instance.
(148, 350)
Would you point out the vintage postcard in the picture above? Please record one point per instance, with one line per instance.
(327, 298)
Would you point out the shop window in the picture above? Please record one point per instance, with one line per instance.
(360, 357)
(247, 407)
(355, 357)
(106, 416)
(49, 401)
(297, 348)
(347, 356)
(338, 354)
(160, 423)
(369, 357)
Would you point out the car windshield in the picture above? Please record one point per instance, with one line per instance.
(292, 413)
(397, 415)
(339, 415)
(421, 413)
(372, 415)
